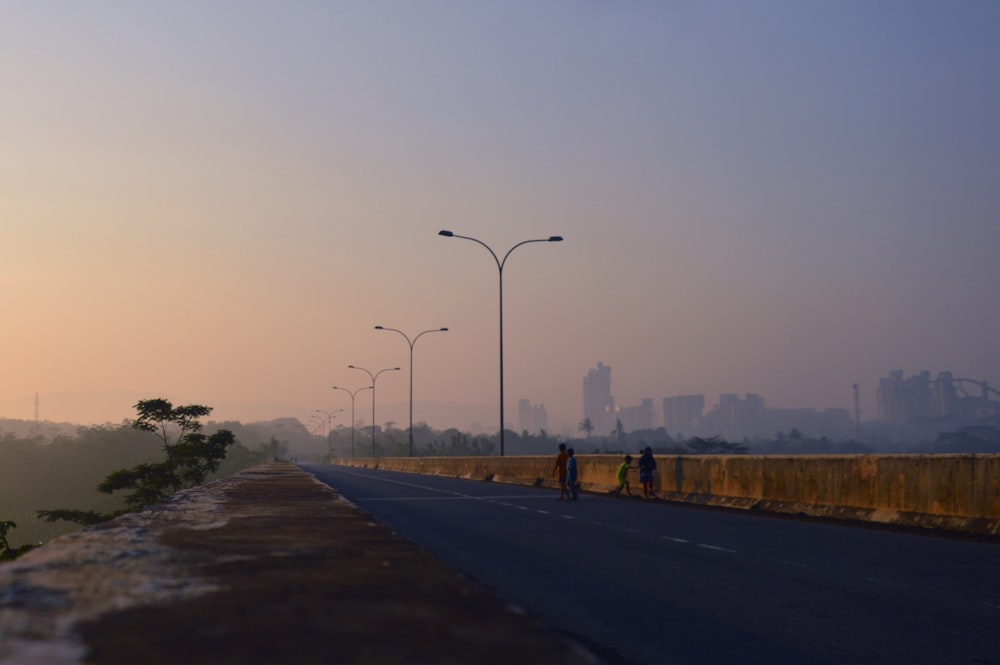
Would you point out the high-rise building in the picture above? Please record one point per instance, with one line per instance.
(638, 417)
(598, 404)
(682, 414)
(532, 418)
(902, 400)
(734, 418)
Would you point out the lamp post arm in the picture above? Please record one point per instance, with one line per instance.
(525, 242)
(405, 336)
(488, 248)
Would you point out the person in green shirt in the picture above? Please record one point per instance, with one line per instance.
(623, 477)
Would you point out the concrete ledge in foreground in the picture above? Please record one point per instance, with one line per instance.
(268, 566)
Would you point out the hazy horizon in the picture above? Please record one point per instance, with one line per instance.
(217, 203)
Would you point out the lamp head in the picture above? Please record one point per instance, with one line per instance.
(446, 234)
(379, 328)
(555, 238)
(443, 330)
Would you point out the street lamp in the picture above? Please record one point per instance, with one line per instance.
(411, 343)
(353, 395)
(330, 415)
(314, 420)
(373, 377)
(500, 265)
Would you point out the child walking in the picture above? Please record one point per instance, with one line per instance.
(562, 462)
(571, 475)
(623, 476)
(647, 472)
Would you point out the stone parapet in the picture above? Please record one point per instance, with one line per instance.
(950, 492)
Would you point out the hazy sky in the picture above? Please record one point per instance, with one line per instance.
(216, 202)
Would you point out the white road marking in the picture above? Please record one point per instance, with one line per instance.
(458, 496)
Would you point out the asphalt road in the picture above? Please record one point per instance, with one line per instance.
(662, 584)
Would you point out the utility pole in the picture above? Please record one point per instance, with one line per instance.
(857, 413)
(36, 427)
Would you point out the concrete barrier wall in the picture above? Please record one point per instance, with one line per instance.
(953, 492)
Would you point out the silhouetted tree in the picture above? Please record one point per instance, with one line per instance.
(619, 431)
(6, 551)
(714, 445)
(190, 457)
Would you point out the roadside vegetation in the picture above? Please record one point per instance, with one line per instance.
(163, 450)
(189, 456)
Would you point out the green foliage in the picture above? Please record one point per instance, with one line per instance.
(619, 431)
(64, 472)
(5, 526)
(459, 444)
(81, 517)
(7, 552)
(190, 457)
(190, 454)
(714, 445)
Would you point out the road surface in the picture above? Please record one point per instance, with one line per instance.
(655, 583)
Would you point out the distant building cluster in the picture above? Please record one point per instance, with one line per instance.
(532, 418)
(683, 416)
(736, 418)
(906, 406)
(901, 401)
(598, 404)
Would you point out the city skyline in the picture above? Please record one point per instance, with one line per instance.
(898, 400)
(217, 204)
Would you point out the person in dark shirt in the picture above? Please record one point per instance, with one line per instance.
(572, 475)
(647, 472)
(562, 461)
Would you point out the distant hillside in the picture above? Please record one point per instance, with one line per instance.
(26, 429)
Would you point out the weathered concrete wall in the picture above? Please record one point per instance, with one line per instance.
(953, 492)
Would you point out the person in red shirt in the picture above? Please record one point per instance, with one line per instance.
(562, 461)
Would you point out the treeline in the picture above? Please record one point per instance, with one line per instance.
(39, 474)
(392, 441)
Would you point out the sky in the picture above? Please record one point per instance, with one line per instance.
(216, 203)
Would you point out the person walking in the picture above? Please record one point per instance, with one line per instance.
(623, 477)
(572, 475)
(647, 472)
(562, 462)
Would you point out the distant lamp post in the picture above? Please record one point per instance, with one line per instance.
(500, 266)
(374, 377)
(353, 395)
(411, 343)
(330, 415)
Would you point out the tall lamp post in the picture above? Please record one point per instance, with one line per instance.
(318, 422)
(330, 415)
(353, 395)
(411, 343)
(373, 377)
(500, 265)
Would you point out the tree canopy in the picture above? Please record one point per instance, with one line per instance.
(190, 456)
